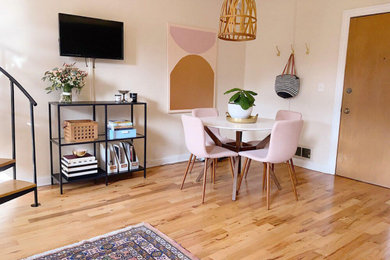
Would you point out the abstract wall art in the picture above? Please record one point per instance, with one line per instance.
(192, 61)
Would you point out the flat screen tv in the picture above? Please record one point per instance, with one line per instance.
(90, 37)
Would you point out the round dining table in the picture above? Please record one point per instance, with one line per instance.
(262, 125)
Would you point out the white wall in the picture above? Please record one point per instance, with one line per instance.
(317, 23)
(29, 46)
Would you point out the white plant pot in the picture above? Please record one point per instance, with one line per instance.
(236, 111)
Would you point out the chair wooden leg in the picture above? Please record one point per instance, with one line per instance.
(204, 179)
(264, 174)
(212, 170)
(273, 176)
(293, 170)
(244, 172)
(192, 164)
(200, 176)
(215, 168)
(231, 166)
(292, 181)
(247, 168)
(268, 185)
(242, 175)
(185, 174)
(244, 167)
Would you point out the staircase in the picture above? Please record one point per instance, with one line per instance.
(15, 188)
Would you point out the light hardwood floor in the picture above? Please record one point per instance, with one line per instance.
(335, 218)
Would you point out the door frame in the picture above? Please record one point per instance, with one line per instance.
(347, 15)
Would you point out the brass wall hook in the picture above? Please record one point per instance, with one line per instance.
(292, 49)
(277, 51)
(307, 49)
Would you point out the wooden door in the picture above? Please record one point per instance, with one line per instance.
(364, 140)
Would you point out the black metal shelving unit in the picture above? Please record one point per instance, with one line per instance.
(60, 141)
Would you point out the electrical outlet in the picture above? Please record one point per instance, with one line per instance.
(306, 153)
(303, 152)
(298, 152)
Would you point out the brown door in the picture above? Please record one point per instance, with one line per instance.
(364, 141)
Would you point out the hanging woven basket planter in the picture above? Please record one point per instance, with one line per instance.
(238, 20)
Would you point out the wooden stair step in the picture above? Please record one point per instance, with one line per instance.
(10, 187)
(6, 162)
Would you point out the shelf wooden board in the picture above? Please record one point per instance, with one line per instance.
(6, 162)
(101, 139)
(11, 187)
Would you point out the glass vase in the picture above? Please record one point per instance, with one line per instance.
(66, 97)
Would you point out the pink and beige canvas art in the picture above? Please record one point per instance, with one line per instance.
(192, 58)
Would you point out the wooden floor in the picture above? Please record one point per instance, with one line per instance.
(335, 218)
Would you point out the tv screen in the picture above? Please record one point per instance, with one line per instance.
(90, 38)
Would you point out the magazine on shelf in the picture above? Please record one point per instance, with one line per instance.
(131, 154)
(110, 165)
(122, 159)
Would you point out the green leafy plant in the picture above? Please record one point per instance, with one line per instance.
(65, 78)
(244, 98)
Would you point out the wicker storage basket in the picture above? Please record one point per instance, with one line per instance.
(80, 130)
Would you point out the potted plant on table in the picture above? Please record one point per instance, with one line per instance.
(65, 79)
(241, 103)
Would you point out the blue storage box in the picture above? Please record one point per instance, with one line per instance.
(121, 133)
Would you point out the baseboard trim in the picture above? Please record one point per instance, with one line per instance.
(169, 160)
(45, 180)
(312, 166)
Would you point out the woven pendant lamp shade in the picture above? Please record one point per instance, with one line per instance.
(238, 21)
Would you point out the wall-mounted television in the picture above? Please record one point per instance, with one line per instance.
(90, 37)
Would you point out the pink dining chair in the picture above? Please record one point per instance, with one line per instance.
(289, 115)
(195, 140)
(208, 112)
(280, 115)
(283, 144)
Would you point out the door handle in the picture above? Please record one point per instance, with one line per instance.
(347, 111)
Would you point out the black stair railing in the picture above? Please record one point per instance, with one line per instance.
(33, 103)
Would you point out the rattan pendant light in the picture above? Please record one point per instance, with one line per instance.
(238, 21)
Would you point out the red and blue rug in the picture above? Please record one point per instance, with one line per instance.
(137, 242)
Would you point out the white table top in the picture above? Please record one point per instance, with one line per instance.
(262, 124)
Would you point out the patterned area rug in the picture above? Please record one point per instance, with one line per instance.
(137, 242)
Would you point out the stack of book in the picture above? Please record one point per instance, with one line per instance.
(120, 124)
(121, 129)
(73, 166)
